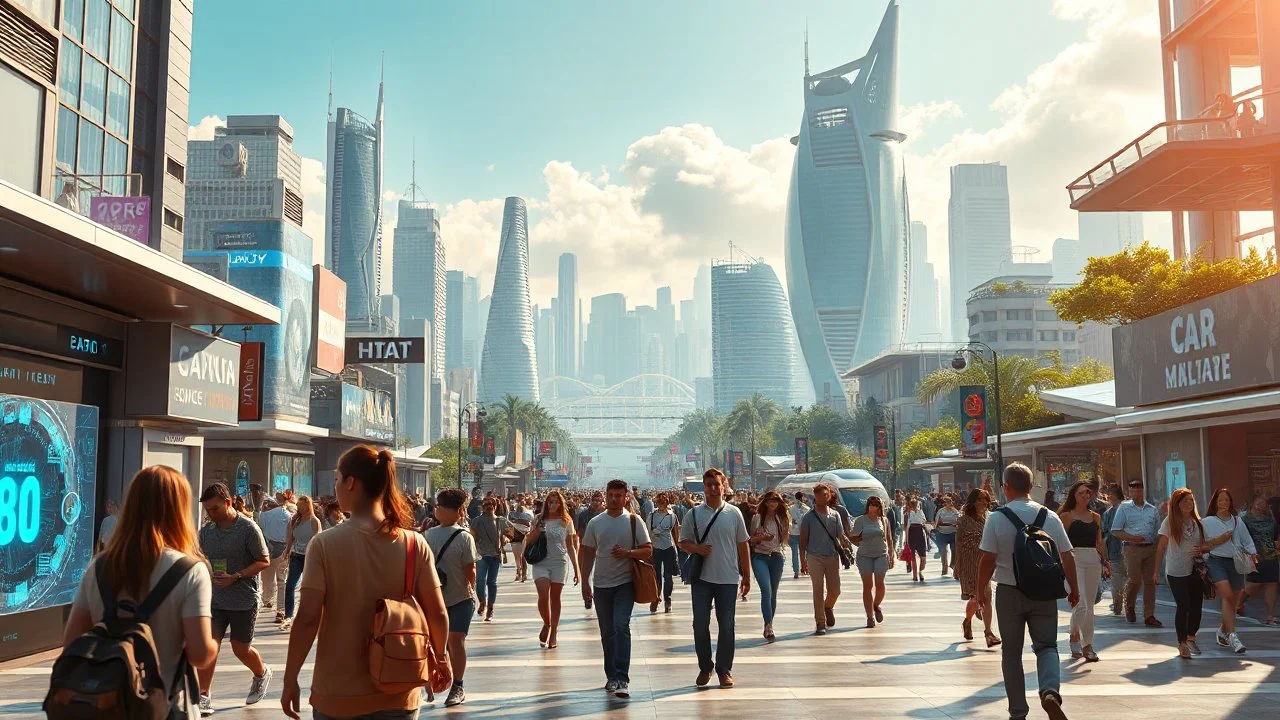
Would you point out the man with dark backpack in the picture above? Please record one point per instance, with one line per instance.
(1025, 548)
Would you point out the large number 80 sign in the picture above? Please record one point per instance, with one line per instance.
(19, 510)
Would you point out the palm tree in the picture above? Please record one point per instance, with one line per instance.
(700, 428)
(1021, 380)
(749, 416)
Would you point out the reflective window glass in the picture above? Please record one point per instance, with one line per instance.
(115, 165)
(68, 122)
(69, 73)
(73, 18)
(93, 100)
(89, 161)
(121, 45)
(118, 106)
(97, 27)
(126, 6)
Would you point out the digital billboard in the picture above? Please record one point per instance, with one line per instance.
(272, 260)
(48, 478)
(329, 328)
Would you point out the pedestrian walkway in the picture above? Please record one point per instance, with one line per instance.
(915, 665)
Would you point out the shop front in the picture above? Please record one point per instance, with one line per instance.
(96, 381)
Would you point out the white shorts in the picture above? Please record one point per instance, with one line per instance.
(550, 570)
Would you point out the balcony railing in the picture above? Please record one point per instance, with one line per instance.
(76, 192)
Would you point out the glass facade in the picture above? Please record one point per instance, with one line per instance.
(753, 343)
(846, 237)
(95, 90)
(509, 365)
(355, 218)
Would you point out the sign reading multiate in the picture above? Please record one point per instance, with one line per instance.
(1224, 343)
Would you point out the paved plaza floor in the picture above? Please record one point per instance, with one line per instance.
(915, 665)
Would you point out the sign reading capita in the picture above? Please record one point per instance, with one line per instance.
(129, 216)
(1221, 344)
(196, 379)
(406, 350)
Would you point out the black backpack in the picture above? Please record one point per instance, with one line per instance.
(1037, 566)
(112, 672)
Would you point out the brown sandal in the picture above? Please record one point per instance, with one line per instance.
(967, 626)
(992, 640)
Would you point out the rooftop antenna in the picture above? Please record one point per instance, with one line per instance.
(806, 47)
(331, 88)
(413, 183)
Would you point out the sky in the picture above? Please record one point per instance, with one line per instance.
(647, 136)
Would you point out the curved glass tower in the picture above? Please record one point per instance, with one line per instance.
(846, 239)
(354, 223)
(509, 365)
(753, 345)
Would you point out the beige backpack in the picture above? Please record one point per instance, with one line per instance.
(400, 655)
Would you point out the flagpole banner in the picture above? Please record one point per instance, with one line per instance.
(802, 454)
(882, 448)
(973, 421)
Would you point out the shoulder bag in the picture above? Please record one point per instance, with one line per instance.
(1244, 561)
(643, 577)
(691, 568)
(536, 551)
(846, 561)
(444, 579)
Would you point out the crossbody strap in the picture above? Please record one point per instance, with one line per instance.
(823, 522)
(706, 532)
(447, 543)
(633, 531)
(410, 561)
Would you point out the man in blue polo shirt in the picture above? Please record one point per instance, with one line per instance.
(1135, 524)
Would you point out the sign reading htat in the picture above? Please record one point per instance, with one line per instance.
(407, 350)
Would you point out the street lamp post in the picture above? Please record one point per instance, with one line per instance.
(887, 416)
(465, 412)
(958, 363)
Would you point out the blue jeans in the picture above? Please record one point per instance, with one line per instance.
(291, 584)
(795, 554)
(1019, 616)
(613, 613)
(768, 572)
(487, 579)
(725, 598)
(664, 566)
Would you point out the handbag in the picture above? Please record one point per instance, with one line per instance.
(846, 561)
(400, 654)
(444, 579)
(1200, 569)
(644, 579)
(536, 551)
(691, 568)
(1244, 561)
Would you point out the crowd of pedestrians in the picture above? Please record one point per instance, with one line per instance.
(328, 568)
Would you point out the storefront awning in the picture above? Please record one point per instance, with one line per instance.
(49, 247)
(288, 430)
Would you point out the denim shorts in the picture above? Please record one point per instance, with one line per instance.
(873, 565)
(1224, 569)
(460, 615)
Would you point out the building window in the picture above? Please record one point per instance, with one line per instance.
(989, 316)
(73, 19)
(68, 121)
(1017, 335)
(1068, 336)
(1046, 316)
(1071, 357)
(97, 27)
(89, 158)
(1048, 336)
(93, 100)
(118, 105)
(973, 320)
(173, 219)
(829, 118)
(69, 73)
(175, 169)
(121, 53)
(990, 336)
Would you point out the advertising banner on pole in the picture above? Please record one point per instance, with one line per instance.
(251, 381)
(973, 421)
(882, 448)
(475, 436)
(738, 467)
(490, 450)
(802, 454)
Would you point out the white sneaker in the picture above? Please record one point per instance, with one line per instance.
(288, 623)
(611, 686)
(258, 689)
(1237, 647)
(623, 691)
(1195, 647)
(1222, 639)
(206, 706)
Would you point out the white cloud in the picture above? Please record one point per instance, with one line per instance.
(203, 130)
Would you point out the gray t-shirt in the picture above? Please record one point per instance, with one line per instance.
(721, 566)
(871, 529)
(602, 533)
(461, 552)
(661, 524)
(998, 535)
(231, 550)
(488, 532)
(819, 541)
(946, 520)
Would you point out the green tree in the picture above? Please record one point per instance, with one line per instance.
(702, 429)
(749, 417)
(828, 455)
(927, 443)
(1143, 281)
(446, 451)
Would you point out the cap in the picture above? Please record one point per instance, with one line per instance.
(1135, 483)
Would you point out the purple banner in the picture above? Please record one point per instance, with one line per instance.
(129, 216)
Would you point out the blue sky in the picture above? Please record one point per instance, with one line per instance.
(647, 135)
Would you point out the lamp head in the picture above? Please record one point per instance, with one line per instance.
(960, 362)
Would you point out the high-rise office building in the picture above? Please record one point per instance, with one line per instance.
(418, 410)
(546, 337)
(510, 364)
(1068, 261)
(924, 319)
(481, 325)
(453, 290)
(665, 327)
(1107, 233)
(567, 341)
(69, 84)
(979, 233)
(698, 324)
(845, 233)
(613, 341)
(753, 341)
(248, 171)
(353, 209)
(419, 274)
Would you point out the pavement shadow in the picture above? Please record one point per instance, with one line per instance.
(1166, 671)
(962, 707)
(550, 706)
(924, 657)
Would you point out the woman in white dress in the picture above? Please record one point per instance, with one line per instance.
(549, 573)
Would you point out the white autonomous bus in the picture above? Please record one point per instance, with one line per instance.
(854, 487)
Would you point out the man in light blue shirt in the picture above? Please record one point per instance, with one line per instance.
(1135, 524)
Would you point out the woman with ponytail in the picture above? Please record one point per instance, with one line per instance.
(349, 568)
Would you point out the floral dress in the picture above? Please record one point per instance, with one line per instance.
(968, 537)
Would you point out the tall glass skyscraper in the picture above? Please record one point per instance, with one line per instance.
(418, 274)
(846, 236)
(566, 319)
(353, 212)
(753, 343)
(509, 365)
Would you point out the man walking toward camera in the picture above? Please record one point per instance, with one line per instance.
(1135, 524)
(1026, 596)
(726, 573)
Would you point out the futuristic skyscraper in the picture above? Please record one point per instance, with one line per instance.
(846, 237)
(509, 365)
(753, 346)
(353, 212)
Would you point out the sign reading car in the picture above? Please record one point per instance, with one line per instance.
(406, 350)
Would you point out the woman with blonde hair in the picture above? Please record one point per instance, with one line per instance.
(153, 560)
(549, 573)
(302, 527)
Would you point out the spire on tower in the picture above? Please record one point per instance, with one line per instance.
(806, 47)
(382, 74)
(331, 88)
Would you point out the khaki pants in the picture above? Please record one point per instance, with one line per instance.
(824, 571)
(273, 581)
(1140, 565)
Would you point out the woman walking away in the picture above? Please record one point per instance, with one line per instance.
(1084, 529)
(875, 556)
(770, 528)
(1227, 536)
(664, 528)
(973, 519)
(350, 570)
(153, 550)
(549, 574)
(944, 523)
(302, 528)
(917, 538)
(1182, 538)
(820, 533)
(1262, 528)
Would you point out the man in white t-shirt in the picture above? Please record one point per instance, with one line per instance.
(608, 547)
(274, 522)
(726, 572)
(797, 510)
(1017, 614)
(108, 526)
